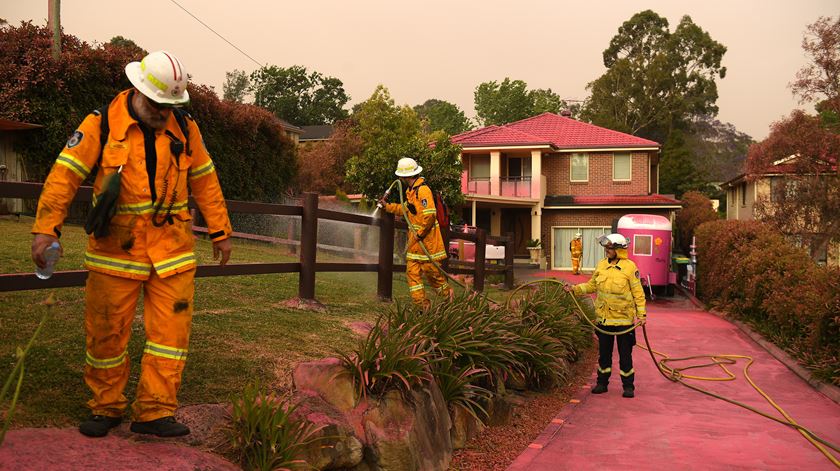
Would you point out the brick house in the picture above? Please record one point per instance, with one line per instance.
(550, 176)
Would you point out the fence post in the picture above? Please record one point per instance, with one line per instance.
(480, 252)
(385, 280)
(509, 261)
(308, 246)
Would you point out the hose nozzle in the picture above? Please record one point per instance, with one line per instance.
(384, 197)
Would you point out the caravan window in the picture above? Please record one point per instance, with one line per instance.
(642, 244)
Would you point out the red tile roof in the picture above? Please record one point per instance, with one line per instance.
(611, 200)
(550, 129)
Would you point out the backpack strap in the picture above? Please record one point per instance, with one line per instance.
(181, 118)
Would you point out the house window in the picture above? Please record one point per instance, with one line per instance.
(743, 194)
(579, 167)
(480, 167)
(642, 244)
(519, 167)
(622, 166)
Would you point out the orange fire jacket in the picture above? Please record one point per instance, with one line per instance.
(135, 245)
(424, 221)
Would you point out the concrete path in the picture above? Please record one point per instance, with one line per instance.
(669, 426)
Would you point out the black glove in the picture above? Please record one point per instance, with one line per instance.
(411, 208)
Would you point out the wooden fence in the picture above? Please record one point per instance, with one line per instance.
(306, 267)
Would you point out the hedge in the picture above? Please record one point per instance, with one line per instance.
(752, 272)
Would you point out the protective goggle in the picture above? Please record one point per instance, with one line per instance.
(161, 106)
(605, 242)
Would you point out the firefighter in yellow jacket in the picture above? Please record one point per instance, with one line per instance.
(576, 249)
(420, 207)
(620, 298)
(147, 242)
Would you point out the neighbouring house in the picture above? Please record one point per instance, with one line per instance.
(550, 176)
(292, 132)
(12, 166)
(316, 133)
(745, 190)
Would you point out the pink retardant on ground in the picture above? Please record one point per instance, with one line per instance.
(668, 426)
(67, 449)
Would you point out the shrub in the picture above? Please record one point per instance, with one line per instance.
(751, 271)
(263, 435)
(696, 209)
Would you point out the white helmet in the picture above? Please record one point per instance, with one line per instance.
(613, 241)
(407, 167)
(161, 77)
(578, 235)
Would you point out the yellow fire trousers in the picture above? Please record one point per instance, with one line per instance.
(576, 264)
(414, 271)
(167, 313)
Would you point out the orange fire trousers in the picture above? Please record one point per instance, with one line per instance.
(414, 271)
(576, 264)
(167, 313)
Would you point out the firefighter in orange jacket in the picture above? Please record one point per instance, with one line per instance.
(148, 241)
(576, 249)
(420, 209)
(620, 299)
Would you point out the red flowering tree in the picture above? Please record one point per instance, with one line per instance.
(321, 165)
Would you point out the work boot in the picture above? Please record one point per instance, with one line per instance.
(599, 388)
(98, 425)
(162, 427)
(629, 391)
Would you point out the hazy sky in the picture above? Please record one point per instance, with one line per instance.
(444, 49)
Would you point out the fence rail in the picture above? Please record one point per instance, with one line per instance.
(306, 267)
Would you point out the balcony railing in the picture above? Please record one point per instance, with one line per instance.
(516, 186)
(476, 186)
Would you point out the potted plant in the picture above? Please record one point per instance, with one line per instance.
(535, 248)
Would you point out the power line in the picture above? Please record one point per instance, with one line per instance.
(217, 34)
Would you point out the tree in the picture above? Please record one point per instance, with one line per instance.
(236, 85)
(439, 115)
(696, 209)
(511, 100)
(656, 81)
(718, 150)
(127, 44)
(390, 132)
(322, 165)
(677, 173)
(299, 97)
(820, 79)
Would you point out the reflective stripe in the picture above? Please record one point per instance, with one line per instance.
(435, 256)
(145, 208)
(415, 287)
(107, 362)
(632, 370)
(429, 211)
(163, 351)
(202, 170)
(117, 264)
(605, 370)
(162, 86)
(174, 263)
(77, 166)
(443, 287)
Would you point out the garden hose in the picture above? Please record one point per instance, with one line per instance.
(677, 375)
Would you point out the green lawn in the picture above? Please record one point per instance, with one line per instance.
(240, 333)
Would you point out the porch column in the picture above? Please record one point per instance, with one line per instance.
(536, 225)
(473, 213)
(495, 171)
(496, 222)
(536, 174)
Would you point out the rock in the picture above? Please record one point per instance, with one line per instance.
(499, 410)
(409, 435)
(329, 380)
(337, 446)
(464, 427)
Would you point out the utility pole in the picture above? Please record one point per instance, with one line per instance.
(54, 24)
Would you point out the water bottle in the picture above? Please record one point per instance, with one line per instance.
(51, 255)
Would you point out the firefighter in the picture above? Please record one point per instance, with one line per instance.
(419, 206)
(144, 241)
(619, 300)
(576, 248)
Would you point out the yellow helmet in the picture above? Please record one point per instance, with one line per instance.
(161, 77)
(407, 167)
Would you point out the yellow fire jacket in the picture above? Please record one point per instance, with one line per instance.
(620, 296)
(424, 221)
(576, 247)
(135, 245)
